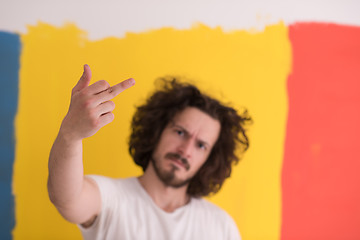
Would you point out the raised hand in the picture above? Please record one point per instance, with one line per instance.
(90, 108)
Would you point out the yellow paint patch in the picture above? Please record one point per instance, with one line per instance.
(246, 69)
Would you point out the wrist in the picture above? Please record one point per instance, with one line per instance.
(68, 136)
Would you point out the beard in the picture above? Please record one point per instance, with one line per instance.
(168, 177)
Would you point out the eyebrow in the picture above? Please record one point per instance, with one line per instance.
(187, 133)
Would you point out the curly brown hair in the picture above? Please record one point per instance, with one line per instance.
(151, 118)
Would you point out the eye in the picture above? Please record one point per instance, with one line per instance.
(201, 146)
(179, 132)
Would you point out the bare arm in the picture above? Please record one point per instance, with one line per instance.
(76, 197)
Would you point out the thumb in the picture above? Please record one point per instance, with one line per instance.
(84, 80)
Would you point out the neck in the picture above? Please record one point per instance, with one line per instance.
(166, 197)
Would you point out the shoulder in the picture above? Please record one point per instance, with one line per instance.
(113, 186)
(216, 217)
(206, 206)
(111, 181)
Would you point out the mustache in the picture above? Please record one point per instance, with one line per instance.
(177, 156)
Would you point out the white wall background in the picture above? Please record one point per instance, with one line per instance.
(116, 17)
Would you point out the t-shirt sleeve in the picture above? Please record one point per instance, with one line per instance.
(106, 189)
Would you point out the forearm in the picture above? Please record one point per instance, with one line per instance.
(78, 198)
(66, 174)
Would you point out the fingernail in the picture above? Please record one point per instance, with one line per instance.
(132, 81)
(84, 69)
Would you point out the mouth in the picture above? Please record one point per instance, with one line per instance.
(178, 160)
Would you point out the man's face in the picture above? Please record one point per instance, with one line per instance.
(184, 146)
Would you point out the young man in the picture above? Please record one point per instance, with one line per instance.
(185, 142)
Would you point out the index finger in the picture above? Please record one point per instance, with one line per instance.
(115, 90)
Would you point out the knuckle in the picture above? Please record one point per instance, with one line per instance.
(92, 114)
(83, 93)
(94, 122)
(124, 84)
(112, 104)
(111, 92)
(111, 117)
(87, 103)
(103, 84)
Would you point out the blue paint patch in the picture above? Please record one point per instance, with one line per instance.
(10, 47)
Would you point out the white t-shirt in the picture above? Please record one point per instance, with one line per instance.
(128, 212)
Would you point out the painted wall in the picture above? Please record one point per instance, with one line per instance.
(294, 65)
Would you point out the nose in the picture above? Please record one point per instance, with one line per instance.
(186, 148)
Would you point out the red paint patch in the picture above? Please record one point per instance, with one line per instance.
(320, 178)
